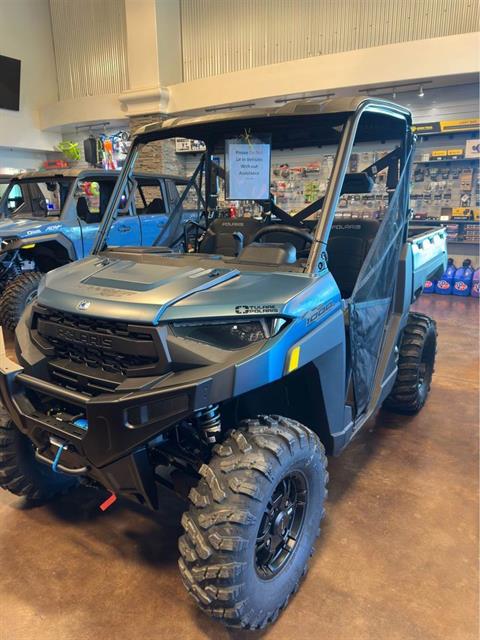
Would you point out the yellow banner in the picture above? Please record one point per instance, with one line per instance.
(468, 124)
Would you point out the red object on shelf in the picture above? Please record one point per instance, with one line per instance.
(55, 164)
(232, 212)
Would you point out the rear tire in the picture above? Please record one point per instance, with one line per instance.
(17, 295)
(21, 473)
(416, 365)
(254, 518)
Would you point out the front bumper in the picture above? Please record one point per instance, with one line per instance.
(110, 450)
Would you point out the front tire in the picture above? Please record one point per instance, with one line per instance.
(18, 293)
(416, 364)
(21, 473)
(254, 518)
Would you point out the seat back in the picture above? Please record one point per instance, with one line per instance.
(348, 245)
(84, 213)
(155, 206)
(219, 238)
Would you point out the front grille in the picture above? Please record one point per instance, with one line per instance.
(97, 347)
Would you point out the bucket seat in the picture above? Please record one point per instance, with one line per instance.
(348, 246)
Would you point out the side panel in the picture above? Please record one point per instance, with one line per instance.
(324, 346)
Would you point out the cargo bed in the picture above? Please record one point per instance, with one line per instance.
(428, 249)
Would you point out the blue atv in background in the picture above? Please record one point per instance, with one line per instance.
(48, 219)
(236, 366)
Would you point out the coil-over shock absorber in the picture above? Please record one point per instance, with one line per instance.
(13, 270)
(208, 420)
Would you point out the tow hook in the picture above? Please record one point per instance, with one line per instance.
(56, 460)
(55, 466)
(106, 504)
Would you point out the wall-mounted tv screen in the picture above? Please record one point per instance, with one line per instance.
(9, 83)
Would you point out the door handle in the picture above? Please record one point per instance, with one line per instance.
(123, 228)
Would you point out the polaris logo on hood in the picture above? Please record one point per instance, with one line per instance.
(83, 305)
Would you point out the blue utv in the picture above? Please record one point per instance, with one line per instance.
(240, 363)
(51, 218)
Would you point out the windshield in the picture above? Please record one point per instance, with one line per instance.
(37, 198)
(257, 189)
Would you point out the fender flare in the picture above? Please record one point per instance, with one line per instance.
(62, 240)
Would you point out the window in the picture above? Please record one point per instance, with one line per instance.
(15, 197)
(92, 196)
(149, 198)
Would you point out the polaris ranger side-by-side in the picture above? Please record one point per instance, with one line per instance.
(240, 363)
(50, 218)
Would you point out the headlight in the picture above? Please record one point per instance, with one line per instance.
(225, 335)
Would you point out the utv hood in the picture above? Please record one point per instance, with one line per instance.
(147, 293)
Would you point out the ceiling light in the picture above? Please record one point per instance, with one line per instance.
(420, 93)
(315, 96)
(229, 107)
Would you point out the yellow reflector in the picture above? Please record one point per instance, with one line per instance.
(27, 246)
(294, 358)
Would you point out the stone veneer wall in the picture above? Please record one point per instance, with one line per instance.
(158, 156)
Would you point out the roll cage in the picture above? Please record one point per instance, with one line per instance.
(341, 120)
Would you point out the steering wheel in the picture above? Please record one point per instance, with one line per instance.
(283, 228)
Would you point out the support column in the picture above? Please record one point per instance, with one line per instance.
(154, 54)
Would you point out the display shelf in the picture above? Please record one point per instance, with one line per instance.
(447, 161)
(431, 221)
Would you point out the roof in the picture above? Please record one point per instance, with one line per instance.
(65, 173)
(293, 108)
(85, 171)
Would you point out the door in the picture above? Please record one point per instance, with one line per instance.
(370, 304)
(124, 232)
(152, 215)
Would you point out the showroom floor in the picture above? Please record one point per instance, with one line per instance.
(397, 558)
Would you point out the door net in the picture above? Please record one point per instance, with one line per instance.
(372, 296)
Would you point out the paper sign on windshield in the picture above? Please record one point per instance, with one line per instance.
(248, 169)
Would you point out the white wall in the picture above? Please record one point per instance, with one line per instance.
(221, 36)
(341, 73)
(20, 159)
(90, 47)
(25, 33)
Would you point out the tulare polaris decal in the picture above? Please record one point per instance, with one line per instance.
(257, 309)
(50, 229)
